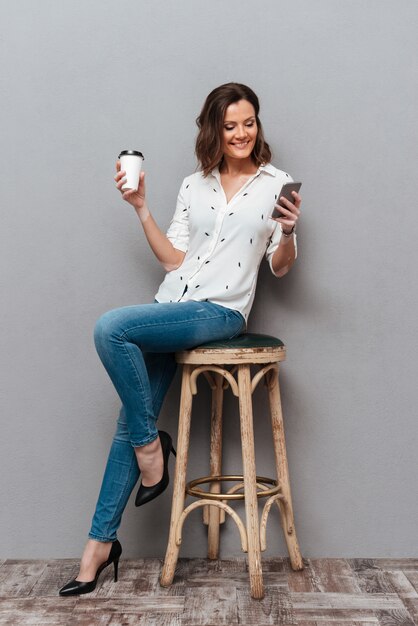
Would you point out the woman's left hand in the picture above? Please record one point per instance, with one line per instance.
(291, 213)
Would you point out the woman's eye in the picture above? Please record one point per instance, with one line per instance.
(249, 125)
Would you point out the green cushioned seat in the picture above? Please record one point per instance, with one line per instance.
(246, 340)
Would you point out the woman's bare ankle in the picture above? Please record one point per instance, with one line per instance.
(150, 461)
(95, 553)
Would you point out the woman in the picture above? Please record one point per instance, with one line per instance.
(221, 229)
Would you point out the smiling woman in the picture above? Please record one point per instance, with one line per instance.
(220, 230)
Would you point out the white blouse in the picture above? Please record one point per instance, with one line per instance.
(224, 241)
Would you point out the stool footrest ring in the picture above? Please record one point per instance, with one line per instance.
(262, 481)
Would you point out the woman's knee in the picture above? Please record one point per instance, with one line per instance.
(106, 327)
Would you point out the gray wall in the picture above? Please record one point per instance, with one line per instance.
(338, 86)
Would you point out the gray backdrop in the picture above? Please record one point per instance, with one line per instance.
(338, 87)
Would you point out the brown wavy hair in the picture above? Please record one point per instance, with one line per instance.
(210, 122)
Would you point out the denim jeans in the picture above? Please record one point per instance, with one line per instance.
(136, 345)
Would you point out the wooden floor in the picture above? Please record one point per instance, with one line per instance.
(328, 592)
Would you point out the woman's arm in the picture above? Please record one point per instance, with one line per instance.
(170, 257)
(285, 256)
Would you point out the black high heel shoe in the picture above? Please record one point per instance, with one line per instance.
(146, 494)
(77, 587)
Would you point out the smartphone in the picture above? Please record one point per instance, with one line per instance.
(285, 191)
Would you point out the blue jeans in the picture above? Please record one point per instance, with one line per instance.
(136, 345)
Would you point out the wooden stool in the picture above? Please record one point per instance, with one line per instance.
(211, 360)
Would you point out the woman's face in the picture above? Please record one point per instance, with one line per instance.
(239, 130)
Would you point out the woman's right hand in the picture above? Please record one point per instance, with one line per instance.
(135, 197)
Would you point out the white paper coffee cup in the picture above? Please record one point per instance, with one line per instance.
(131, 163)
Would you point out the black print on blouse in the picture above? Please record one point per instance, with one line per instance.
(245, 194)
(187, 186)
(231, 213)
(287, 175)
(251, 241)
(215, 190)
(222, 239)
(185, 289)
(226, 287)
(197, 286)
(239, 264)
(206, 262)
(181, 277)
(185, 210)
(262, 216)
(275, 197)
(213, 208)
(207, 234)
(198, 258)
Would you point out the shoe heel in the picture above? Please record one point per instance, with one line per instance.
(173, 451)
(116, 564)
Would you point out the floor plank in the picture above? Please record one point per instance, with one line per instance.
(203, 605)
(17, 578)
(378, 601)
(301, 580)
(334, 575)
(402, 564)
(35, 611)
(140, 612)
(411, 605)
(399, 617)
(412, 576)
(274, 608)
(402, 584)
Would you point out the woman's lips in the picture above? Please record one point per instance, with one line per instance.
(241, 144)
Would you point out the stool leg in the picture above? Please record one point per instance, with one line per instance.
(249, 473)
(179, 489)
(215, 465)
(286, 508)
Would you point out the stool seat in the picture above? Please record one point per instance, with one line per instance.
(246, 341)
(246, 348)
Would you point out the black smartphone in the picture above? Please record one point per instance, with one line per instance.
(285, 191)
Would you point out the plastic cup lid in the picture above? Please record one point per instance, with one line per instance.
(131, 153)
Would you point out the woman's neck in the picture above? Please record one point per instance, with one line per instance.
(237, 167)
